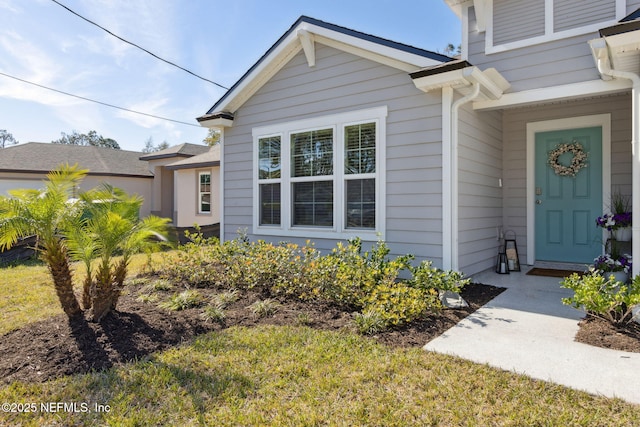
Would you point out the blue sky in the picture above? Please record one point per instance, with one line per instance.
(220, 40)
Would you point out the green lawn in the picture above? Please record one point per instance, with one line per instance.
(290, 376)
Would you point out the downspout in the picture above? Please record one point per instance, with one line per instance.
(605, 69)
(452, 251)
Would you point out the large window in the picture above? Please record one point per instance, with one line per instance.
(316, 178)
(204, 192)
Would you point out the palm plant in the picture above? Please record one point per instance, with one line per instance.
(110, 226)
(46, 214)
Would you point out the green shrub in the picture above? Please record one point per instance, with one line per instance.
(602, 296)
(396, 303)
(427, 277)
(225, 299)
(214, 313)
(369, 322)
(182, 301)
(360, 280)
(264, 308)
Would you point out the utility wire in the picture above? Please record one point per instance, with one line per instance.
(139, 47)
(98, 102)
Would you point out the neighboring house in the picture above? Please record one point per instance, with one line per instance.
(26, 166)
(163, 184)
(197, 189)
(334, 133)
(180, 182)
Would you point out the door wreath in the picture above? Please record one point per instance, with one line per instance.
(578, 161)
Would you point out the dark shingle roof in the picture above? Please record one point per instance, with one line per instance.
(182, 150)
(43, 157)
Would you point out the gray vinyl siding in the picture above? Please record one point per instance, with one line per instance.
(568, 14)
(342, 82)
(514, 124)
(515, 20)
(565, 61)
(480, 196)
(542, 65)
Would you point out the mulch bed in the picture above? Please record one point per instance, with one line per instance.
(600, 333)
(57, 346)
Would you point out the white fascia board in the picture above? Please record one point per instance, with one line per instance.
(266, 69)
(387, 55)
(492, 84)
(555, 93)
(291, 45)
(217, 123)
(453, 79)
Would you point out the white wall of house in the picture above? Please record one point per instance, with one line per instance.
(186, 197)
(339, 83)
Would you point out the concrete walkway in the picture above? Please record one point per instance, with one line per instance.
(528, 330)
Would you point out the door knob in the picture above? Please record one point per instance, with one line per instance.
(538, 202)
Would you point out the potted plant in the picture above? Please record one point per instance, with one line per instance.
(618, 222)
(617, 265)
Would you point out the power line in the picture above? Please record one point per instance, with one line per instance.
(98, 102)
(139, 47)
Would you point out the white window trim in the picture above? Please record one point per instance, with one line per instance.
(549, 35)
(337, 122)
(200, 193)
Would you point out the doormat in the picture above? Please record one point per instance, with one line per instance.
(552, 272)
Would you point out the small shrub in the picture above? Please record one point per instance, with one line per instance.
(369, 322)
(426, 276)
(160, 285)
(603, 296)
(182, 301)
(148, 298)
(264, 308)
(225, 299)
(214, 313)
(397, 304)
(303, 319)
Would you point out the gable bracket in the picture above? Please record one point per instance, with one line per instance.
(308, 45)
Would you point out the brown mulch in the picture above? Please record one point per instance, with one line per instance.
(57, 346)
(600, 333)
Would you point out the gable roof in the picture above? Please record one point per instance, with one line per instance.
(208, 159)
(182, 150)
(37, 157)
(301, 36)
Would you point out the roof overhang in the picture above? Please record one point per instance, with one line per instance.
(462, 76)
(303, 36)
(618, 48)
(216, 120)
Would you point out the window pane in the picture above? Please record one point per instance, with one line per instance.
(361, 203)
(313, 203)
(269, 157)
(205, 203)
(312, 153)
(360, 148)
(270, 204)
(205, 182)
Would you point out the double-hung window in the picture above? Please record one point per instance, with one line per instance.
(204, 192)
(321, 177)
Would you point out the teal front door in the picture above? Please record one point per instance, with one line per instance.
(566, 207)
